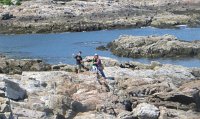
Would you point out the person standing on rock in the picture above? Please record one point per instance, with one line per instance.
(99, 70)
(98, 64)
(79, 61)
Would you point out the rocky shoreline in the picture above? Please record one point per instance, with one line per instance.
(153, 47)
(61, 16)
(136, 91)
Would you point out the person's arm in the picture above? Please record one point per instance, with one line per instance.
(75, 56)
(81, 59)
(94, 62)
(89, 60)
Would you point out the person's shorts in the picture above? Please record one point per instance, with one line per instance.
(78, 66)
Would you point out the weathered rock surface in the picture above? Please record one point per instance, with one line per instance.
(145, 91)
(154, 46)
(88, 15)
(179, 114)
(12, 66)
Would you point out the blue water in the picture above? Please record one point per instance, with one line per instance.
(58, 48)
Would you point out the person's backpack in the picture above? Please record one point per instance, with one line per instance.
(94, 69)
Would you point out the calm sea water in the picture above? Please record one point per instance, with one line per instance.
(58, 48)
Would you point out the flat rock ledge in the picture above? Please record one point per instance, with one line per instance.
(154, 47)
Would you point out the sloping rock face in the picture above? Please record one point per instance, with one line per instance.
(138, 91)
(59, 94)
(154, 46)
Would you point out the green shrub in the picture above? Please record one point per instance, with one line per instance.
(6, 2)
(9, 2)
(19, 2)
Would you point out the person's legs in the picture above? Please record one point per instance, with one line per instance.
(79, 68)
(82, 65)
(76, 69)
(95, 71)
(103, 81)
(101, 72)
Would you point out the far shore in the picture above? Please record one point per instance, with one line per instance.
(78, 16)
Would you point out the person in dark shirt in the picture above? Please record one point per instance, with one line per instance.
(99, 71)
(98, 64)
(79, 61)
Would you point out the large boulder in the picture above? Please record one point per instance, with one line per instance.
(146, 111)
(34, 65)
(59, 103)
(192, 89)
(14, 91)
(154, 46)
(177, 100)
(196, 72)
(13, 66)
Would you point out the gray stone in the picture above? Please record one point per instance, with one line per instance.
(14, 91)
(4, 108)
(31, 114)
(196, 72)
(155, 64)
(6, 16)
(126, 115)
(2, 85)
(2, 93)
(146, 111)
